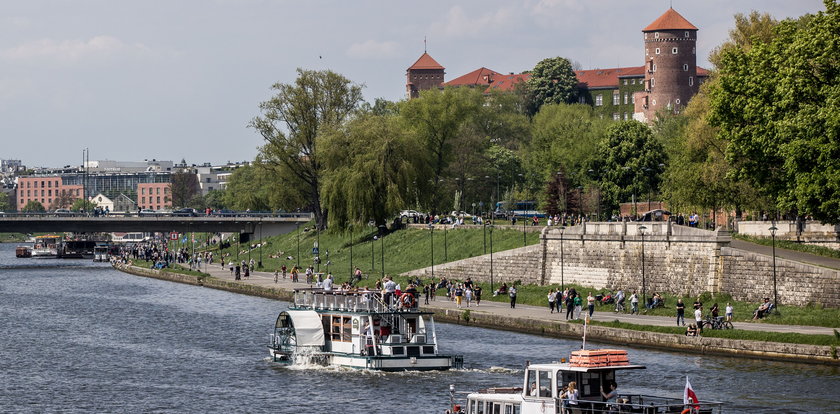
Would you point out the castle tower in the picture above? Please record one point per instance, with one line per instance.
(423, 75)
(670, 65)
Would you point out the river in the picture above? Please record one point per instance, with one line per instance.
(78, 336)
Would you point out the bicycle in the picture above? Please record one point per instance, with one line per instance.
(717, 323)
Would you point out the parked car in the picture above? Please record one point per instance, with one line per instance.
(225, 213)
(407, 214)
(62, 212)
(463, 214)
(185, 212)
(146, 212)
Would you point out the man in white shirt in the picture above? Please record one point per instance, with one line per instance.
(390, 287)
(328, 284)
(698, 317)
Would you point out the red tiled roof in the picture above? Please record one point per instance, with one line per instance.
(670, 20)
(506, 83)
(702, 72)
(480, 76)
(426, 62)
(598, 78)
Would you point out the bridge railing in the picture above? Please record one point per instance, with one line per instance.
(242, 214)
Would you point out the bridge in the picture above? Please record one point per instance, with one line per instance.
(250, 224)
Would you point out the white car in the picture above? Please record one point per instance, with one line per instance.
(406, 214)
(463, 214)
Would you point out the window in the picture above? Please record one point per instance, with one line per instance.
(654, 102)
(647, 52)
(633, 99)
(616, 117)
(656, 35)
(143, 200)
(599, 100)
(632, 81)
(625, 81)
(581, 99)
(693, 50)
(654, 67)
(687, 34)
(158, 199)
(625, 97)
(49, 193)
(657, 50)
(690, 81)
(142, 190)
(685, 68)
(652, 82)
(616, 99)
(49, 184)
(674, 51)
(678, 101)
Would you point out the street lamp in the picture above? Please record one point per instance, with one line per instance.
(562, 260)
(432, 247)
(524, 241)
(644, 284)
(491, 259)
(318, 241)
(297, 230)
(445, 253)
(382, 246)
(259, 264)
(351, 252)
(775, 292)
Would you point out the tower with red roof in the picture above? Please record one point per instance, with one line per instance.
(423, 75)
(670, 66)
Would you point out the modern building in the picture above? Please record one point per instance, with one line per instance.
(50, 191)
(110, 166)
(666, 81)
(155, 196)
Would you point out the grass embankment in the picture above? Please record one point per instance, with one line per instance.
(790, 245)
(12, 237)
(404, 250)
(173, 269)
(784, 337)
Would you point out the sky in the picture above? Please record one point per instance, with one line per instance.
(181, 79)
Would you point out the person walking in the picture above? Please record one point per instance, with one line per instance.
(578, 304)
(477, 294)
(468, 295)
(552, 298)
(680, 312)
(634, 303)
(459, 294)
(512, 295)
(570, 304)
(698, 318)
(728, 312)
(590, 303)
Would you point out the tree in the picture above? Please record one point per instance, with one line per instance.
(552, 81)
(4, 202)
(33, 206)
(776, 104)
(81, 204)
(373, 170)
(293, 122)
(64, 199)
(248, 189)
(183, 187)
(564, 139)
(629, 160)
(438, 118)
(757, 27)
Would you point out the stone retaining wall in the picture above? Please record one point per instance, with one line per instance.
(677, 259)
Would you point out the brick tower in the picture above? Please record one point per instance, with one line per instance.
(670, 66)
(423, 75)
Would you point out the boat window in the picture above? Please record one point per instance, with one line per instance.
(531, 383)
(398, 350)
(590, 384)
(428, 349)
(545, 384)
(479, 407)
(497, 408)
(413, 351)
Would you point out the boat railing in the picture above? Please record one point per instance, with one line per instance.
(352, 301)
(640, 403)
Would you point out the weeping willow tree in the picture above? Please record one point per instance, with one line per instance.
(373, 170)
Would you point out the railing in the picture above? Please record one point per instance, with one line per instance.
(242, 214)
(639, 403)
(355, 301)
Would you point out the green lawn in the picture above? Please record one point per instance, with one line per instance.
(793, 338)
(12, 237)
(790, 245)
(172, 269)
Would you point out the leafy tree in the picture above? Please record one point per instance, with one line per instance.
(81, 204)
(292, 123)
(63, 200)
(437, 118)
(755, 27)
(215, 199)
(33, 206)
(4, 202)
(248, 189)
(372, 170)
(183, 187)
(630, 161)
(777, 105)
(552, 81)
(564, 139)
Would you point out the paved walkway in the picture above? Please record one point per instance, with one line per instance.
(525, 311)
(794, 255)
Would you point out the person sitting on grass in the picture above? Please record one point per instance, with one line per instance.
(691, 330)
(763, 309)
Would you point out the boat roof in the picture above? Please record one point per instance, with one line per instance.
(359, 312)
(568, 367)
(495, 397)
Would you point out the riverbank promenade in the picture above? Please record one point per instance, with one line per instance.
(503, 309)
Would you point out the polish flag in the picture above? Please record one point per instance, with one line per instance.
(689, 397)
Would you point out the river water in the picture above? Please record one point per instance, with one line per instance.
(78, 336)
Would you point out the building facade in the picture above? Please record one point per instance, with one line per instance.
(50, 191)
(154, 196)
(423, 75)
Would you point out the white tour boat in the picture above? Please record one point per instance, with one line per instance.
(592, 371)
(358, 329)
(47, 246)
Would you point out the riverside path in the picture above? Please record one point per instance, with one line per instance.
(266, 279)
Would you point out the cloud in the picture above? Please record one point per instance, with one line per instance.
(457, 22)
(371, 49)
(70, 50)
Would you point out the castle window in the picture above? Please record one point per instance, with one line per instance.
(632, 81)
(693, 50)
(654, 67)
(625, 97)
(685, 68)
(647, 52)
(625, 81)
(616, 99)
(674, 51)
(599, 100)
(656, 35)
(690, 81)
(616, 116)
(657, 50)
(654, 102)
(633, 98)
(678, 101)
(652, 82)
(687, 34)
(625, 116)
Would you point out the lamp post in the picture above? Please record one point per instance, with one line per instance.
(432, 247)
(318, 241)
(524, 241)
(644, 282)
(775, 292)
(372, 255)
(351, 253)
(382, 246)
(297, 230)
(562, 260)
(491, 259)
(580, 201)
(445, 253)
(259, 264)
(484, 228)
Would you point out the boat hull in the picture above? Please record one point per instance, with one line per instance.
(376, 363)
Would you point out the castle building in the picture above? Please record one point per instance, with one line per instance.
(666, 81)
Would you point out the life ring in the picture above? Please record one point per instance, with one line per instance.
(686, 411)
(407, 300)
